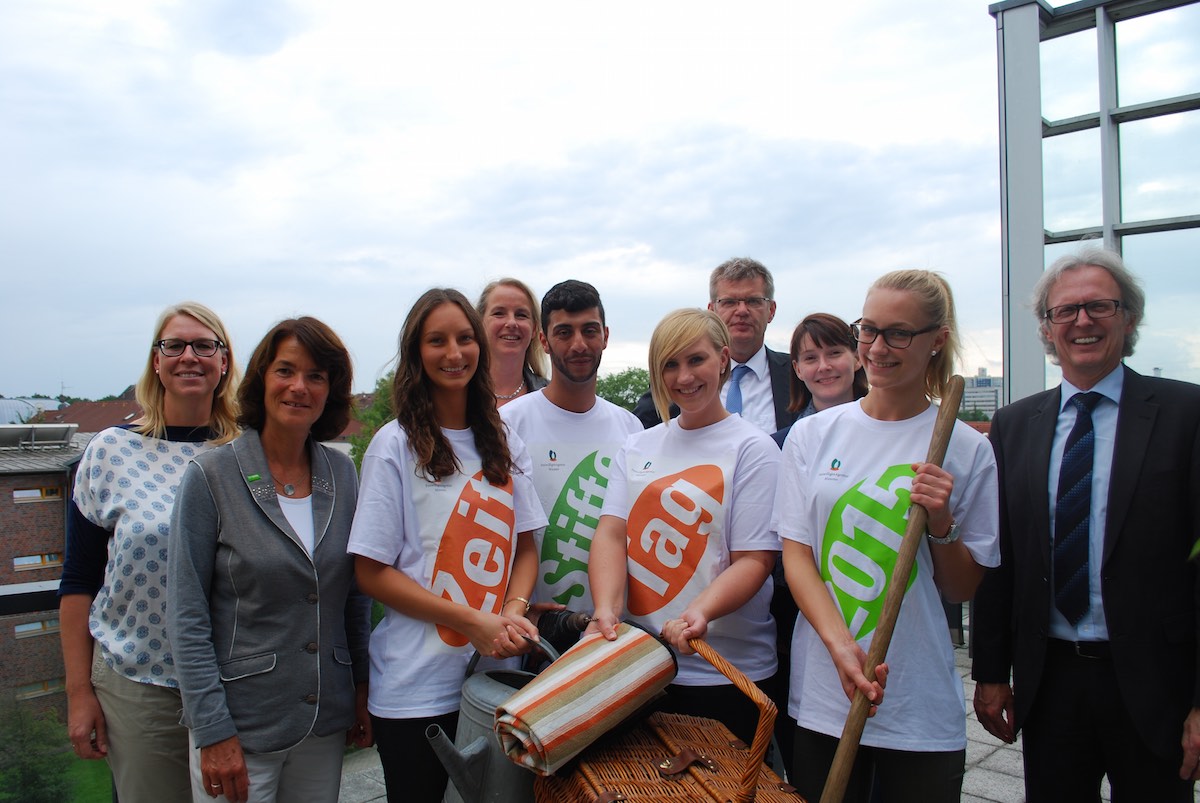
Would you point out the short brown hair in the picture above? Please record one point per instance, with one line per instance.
(330, 355)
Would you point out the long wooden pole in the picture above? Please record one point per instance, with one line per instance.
(914, 532)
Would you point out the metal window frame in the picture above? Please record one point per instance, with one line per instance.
(1021, 27)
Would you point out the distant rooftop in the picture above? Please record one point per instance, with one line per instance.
(39, 448)
(94, 416)
(18, 411)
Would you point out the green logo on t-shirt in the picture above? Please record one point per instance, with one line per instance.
(862, 539)
(568, 536)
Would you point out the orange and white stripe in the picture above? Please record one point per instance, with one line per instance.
(589, 690)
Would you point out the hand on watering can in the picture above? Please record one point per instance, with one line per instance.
(498, 636)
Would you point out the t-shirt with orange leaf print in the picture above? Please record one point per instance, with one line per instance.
(689, 498)
(456, 537)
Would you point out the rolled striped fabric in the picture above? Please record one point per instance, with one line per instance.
(588, 691)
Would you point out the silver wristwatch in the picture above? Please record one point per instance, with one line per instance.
(951, 534)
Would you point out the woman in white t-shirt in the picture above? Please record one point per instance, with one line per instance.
(684, 545)
(443, 537)
(847, 478)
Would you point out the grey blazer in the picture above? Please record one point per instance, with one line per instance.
(268, 642)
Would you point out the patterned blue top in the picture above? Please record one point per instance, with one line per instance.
(126, 485)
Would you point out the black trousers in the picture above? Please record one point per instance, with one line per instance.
(412, 772)
(903, 776)
(1079, 730)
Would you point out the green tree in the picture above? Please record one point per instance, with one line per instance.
(34, 757)
(973, 415)
(373, 416)
(624, 388)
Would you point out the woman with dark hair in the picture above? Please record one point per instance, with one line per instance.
(826, 370)
(270, 632)
(443, 537)
(511, 318)
(122, 691)
(847, 479)
(684, 544)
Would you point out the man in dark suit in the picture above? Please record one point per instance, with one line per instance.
(742, 292)
(1095, 604)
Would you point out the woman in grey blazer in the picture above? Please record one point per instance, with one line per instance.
(269, 630)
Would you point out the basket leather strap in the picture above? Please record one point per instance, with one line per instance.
(678, 764)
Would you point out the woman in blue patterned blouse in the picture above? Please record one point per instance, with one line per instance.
(123, 698)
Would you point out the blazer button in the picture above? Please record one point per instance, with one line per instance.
(311, 699)
(310, 647)
(312, 599)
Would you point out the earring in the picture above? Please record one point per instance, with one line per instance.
(933, 353)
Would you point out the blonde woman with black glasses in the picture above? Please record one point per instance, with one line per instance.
(123, 698)
(841, 508)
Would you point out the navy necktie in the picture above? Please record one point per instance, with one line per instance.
(1073, 512)
(733, 401)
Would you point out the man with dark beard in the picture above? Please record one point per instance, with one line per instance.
(572, 436)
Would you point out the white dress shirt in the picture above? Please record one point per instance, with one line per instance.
(1092, 627)
(758, 405)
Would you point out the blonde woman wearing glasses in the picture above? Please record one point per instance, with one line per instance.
(122, 695)
(841, 507)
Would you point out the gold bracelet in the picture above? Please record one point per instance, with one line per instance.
(518, 599)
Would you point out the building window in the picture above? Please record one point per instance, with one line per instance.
(40, 689)
(41, 627)
(52, 494)
(26, 563)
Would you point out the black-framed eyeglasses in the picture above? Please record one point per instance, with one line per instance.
(751, 302)
(896, 338)
(1068, 313)
(202, 347)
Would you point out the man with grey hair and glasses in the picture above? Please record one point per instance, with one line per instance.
(742, 292)
(1095, 607)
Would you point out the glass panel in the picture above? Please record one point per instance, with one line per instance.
(1168, 342)
(1158, 55)
(1071, 169)
(1070, 80)
(1160, 167)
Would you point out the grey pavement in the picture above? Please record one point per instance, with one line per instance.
(994, 770)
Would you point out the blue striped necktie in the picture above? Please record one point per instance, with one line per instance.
(733, 401)
(1073, 512)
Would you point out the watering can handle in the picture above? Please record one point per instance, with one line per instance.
(541, 644)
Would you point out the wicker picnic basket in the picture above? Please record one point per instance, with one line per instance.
(676, 757)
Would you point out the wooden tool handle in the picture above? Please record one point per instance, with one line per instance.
(914, 532)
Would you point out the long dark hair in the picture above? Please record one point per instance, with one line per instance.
(414, 406)
(823, 330)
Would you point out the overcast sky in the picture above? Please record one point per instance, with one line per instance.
(276, 158)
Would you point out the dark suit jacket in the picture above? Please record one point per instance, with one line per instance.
(1149, 585)
(779, 366)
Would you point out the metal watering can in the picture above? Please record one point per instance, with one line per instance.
(479, 770)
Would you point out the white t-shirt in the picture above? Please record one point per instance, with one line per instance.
(456, 537)
(843, 492)
(689, 498)
(572, 457)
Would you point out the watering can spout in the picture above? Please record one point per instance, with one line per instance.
(465, 766)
